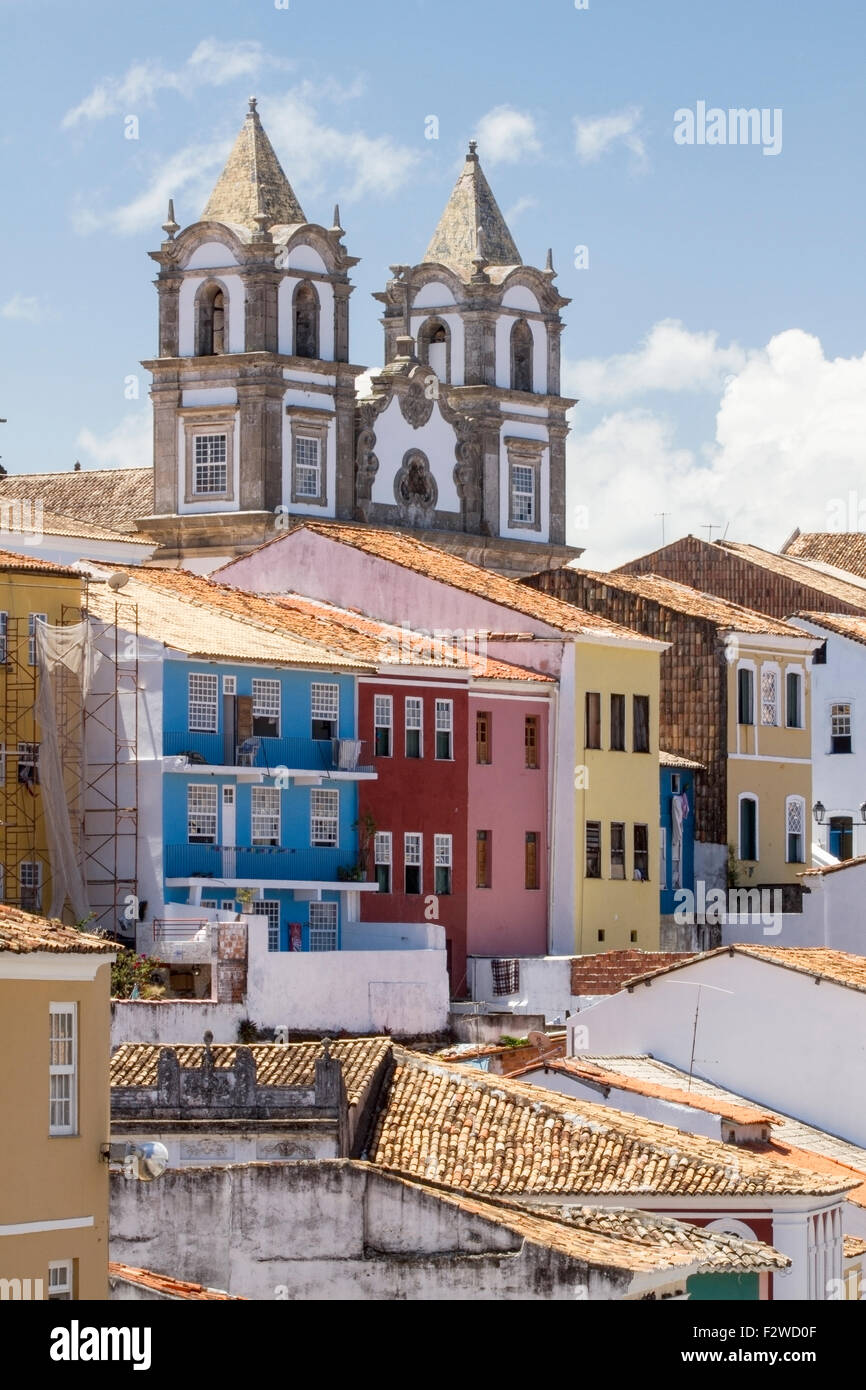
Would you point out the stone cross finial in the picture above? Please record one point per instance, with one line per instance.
(549, 263)
(170, 226)
(253, 104)
(473, 146)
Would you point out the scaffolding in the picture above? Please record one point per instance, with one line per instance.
(22, 825)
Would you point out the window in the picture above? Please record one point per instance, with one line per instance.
(4, 628)
(819, 655)
(32, 620)
(230, 685)
(769, 695)
(324, 709)
(444, 729)
(640, 724)
(30, 880)
(28, 764)
(383, 719)
(483, 720)
(62, 1067)
(530, 741)
(382, 859)
(522, 494)
(211, 321)
(228, 795)
(228, 904)
(748, 828)
(793, 700)
(640, 840)
(324, 816)
(617, 849)
(412, 863)
(270, 908)
(433, 344)
(60, 1280)
(840, 728)
(201, 814)
(306, 321)
(745, 695)
(308, 481)
(795, 820)
(442, 864)
(323, 926)
(592, 734)
(617, 722)
(210, 464)
(265, 815)
(482, 858)
(202, 703)
(530, 860)
(663, 858)
(593, 849)
(521, 356)
(266, 708)
(414, 726)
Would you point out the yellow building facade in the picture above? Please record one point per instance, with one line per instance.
(54, 1083)
(30, 589)
(769, 763)
(617, 796)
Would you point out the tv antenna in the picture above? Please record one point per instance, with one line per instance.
(662, 515)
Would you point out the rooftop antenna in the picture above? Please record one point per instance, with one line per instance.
(710, 527)
(662, 515)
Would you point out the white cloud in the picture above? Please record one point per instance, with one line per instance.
(24, 306)
(788, 450)
(519, 208)
(594, 135)
(212, 63)
(670, 358)
(506, 136)
(190, 172)
(128, 445)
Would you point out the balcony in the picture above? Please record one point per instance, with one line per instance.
(263, 864)
(332, 757)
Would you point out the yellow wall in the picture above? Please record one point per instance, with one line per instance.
(22, 824)
(770, 762)
(44, 1177)
(622, 786)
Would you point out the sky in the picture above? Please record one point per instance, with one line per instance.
(715, 338)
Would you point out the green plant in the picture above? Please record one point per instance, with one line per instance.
(129, 970)
(732, 869)
(245, 897)
(366, 827)
(250, 1032)
(507, 1041)
(351, 873)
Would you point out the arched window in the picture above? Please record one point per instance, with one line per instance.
(748, 846)
(795, 830)
(435, 348)
(306, 315)
(521, 356)
(211, 321)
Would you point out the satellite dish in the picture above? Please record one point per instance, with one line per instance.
(117, 580)
(540, 1041)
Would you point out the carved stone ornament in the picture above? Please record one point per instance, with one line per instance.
(416, 406)
(415, 489)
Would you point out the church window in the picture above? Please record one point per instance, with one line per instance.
(210, 464)
(434, 345)
(306, 311)
(211, 321)
(522, 494)
(521, 356)
(307, 467)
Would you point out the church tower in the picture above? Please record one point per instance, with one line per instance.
(487, 327)
(253, 394)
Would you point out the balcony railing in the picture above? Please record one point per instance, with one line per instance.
(261, 862)
(302, 754)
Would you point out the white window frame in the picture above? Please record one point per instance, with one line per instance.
(749, 796)
(790, 802)
(444, 724)
(32, 620)
(771, 668)
(323, 926)
(265, 705)
(36, 885)
(801, 697)
(837, 733)
(415, 724)
(383, 718)
(756, 692)
(443, 858)
(230, 685)
(4, 632)
(325, 703)
(61, 1280)
(209, 903)
(322, 798)
(309, 470)
(211, 470)
(63, 1070)
(383, 854)
(413, 844)
(205, 794)
(522, 498)
(663, 858)
(270, 908)
(203, 705)
(265, 824)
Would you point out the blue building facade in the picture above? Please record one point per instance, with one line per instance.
(677, 842)
(260, 796)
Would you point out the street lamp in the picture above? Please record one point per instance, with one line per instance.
(819, 810)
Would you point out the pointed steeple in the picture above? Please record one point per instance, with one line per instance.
(472, 218)
(252, 190)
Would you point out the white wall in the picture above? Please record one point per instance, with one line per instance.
(838, 779)
(172, 1021)
(765, 1031)
(545, 986)
(834, 915)
(234, 287)
(395, 437)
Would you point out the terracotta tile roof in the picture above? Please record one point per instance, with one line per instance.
(53, 524)
(599, 1074)
(844, 550)
(677, 760)
(849, 591)
(843, 624)
(455, 1125)
(10, 561)
(839, 966)
(21, 933)
(185, 612)
(853, 1247)
(607, 972)
(681, 598)
(449, 569)
(112, 497)
(164, 1284)
(833, 868)
(289, 1064)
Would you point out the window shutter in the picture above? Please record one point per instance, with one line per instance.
(244, 717)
